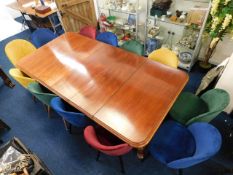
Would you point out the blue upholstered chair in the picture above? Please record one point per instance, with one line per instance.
(42, 36)
(70, 115)
(179, 147)
(108, 38)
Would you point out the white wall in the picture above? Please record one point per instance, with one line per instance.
(224, 50)
(9, 26)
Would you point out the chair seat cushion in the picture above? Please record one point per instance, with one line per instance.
(187, 106)
(172, 141)
(106, 138)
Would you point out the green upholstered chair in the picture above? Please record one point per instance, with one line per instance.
(134, 46)
(41, 95)
(190, 108)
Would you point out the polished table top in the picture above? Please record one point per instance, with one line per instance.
(127, 94)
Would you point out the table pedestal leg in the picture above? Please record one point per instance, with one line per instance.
(141, 153)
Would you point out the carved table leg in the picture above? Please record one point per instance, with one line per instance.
(6, 79)
(141, 153)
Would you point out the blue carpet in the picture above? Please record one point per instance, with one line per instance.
(19, 19)
(66, 154)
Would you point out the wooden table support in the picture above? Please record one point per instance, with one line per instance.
(6, 79)
(141, 153)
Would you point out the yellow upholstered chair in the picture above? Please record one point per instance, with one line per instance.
(20, 78)
(17, 49)
(165, 56)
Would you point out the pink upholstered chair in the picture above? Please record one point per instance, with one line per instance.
(106, 143)
(89, 31)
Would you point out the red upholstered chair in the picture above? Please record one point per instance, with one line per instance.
(89, 31)
(106, 143)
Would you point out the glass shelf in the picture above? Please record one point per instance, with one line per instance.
(168, 21)
(119, 11)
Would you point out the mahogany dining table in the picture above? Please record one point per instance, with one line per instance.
(127, 94)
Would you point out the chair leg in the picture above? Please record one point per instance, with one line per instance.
(67, 125)
(180, 172)
(98, 156)
(49, 111)
(70, 128)
(122, 165)
(34, 98)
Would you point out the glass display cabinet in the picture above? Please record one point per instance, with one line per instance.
(120, 17)
(177, 25)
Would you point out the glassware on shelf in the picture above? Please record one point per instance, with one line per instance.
(190, 37)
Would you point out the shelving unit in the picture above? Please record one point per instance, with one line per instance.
(179, 29)
(123, 15)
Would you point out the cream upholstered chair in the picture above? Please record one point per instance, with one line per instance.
(225, 82)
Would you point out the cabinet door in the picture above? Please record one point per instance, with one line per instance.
(76, 14)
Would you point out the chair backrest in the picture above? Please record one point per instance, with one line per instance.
(76, 118)
(38, 92)
(165, 56)
(88, 31)
(17, 49)
(217, 100)
(134, 46)
(208, 142)
(108, 38)
(20, 78)
(112, 150)
(42, 36)
(163, 146)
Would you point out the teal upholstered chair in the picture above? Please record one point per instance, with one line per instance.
(41, 95)
(190, 108)
(134, 46)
